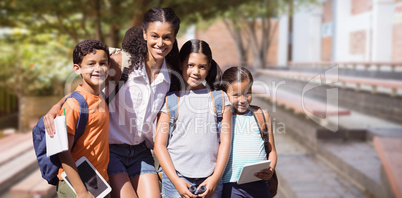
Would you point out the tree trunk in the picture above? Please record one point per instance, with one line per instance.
(236, 34)
(139, 13)
(22, 119)
(98, 21)
(114, 37)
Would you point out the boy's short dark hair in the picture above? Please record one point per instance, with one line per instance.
(86, 47)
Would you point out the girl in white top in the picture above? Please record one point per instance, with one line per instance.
(247, 143)
(151, 53)
(193, 155)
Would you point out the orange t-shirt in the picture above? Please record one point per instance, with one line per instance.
(94, 143)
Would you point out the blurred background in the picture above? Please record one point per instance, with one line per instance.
(329, 72)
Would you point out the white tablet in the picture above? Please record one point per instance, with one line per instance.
(248, 171)
(92, 179)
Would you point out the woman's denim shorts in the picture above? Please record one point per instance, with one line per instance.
(132, 160)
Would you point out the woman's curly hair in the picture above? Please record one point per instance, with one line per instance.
(136, 46)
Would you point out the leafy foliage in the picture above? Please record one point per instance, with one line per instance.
(38, 65)
(37, 36)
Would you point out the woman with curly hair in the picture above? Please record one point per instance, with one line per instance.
(150, 53)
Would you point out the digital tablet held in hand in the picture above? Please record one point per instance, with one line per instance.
(92, 179)
(248, 171)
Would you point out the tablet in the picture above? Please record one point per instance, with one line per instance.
(248, 171)
(92, 179)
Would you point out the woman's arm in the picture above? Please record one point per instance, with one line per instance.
(48, 119)
(161, 152)
(115, 68)
(223, 153)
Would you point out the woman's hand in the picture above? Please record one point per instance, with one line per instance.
(48, 119)
(265, 174)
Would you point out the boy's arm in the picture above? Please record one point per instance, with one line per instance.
(223, 153)
(48, 119)
(68, 164)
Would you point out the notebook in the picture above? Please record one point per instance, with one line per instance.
(248, 171)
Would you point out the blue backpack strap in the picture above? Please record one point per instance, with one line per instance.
(83, 118)
(218, 99)
(172, 101)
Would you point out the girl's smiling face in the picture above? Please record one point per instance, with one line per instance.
(240, 95)
(195, 70)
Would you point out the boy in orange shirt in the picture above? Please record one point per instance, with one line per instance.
(91, 61)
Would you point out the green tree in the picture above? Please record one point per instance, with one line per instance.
(34, 66)
(36, 36)
(105, 20)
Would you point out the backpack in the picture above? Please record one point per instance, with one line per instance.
(49, 166)
(172, 101)
(259, 117)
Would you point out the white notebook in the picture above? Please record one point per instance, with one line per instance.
(248, 171)
(92, 179)
(59, 142)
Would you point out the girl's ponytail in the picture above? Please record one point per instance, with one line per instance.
(214, 75)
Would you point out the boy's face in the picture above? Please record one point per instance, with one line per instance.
(94, 69)
(239, 94)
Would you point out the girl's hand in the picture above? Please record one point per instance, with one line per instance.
(265, 174)
(182, 188)
(210, 183)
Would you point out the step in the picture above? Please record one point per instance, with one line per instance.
(300, 172)
(305, 176)
(34, 186)
(17, 168)
(15, 146)
(356, 160)
(13, 139)
(390, 152)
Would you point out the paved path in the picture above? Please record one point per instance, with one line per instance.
(302, 174)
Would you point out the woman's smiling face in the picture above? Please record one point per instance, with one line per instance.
(160, 38)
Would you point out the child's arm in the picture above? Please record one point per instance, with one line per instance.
(48, 119)
(266, 174)
(161, 152)
(68, 164)
(223, 153)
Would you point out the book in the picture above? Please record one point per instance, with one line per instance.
(248, 171)
(59, 142)
(92, 179)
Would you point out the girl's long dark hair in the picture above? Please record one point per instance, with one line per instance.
(200, 46)
(136, 46)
